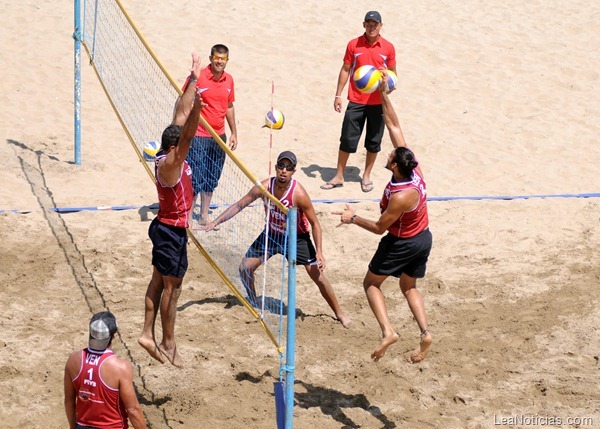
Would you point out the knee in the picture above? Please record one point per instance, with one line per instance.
(245, 269)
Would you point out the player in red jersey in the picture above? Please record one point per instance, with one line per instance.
(369, 49)
(403, 252)
(291, 193)
(99, 390)
(168, 230)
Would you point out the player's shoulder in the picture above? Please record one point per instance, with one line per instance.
(117, 364)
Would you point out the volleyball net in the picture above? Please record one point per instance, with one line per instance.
(143, 95)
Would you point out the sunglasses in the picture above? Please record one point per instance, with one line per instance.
(218, 58)
(288, 167)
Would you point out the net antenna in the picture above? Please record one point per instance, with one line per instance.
(267, 212)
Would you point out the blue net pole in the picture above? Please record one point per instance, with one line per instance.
(77, 89)
(292, 221)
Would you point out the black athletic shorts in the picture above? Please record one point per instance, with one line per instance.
(396, 256)
(354, 122)
(305, 250)
(169, 249)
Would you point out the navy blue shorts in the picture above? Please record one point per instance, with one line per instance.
(206, 159)
(169, 249)
(306, 253)
(396, 256)
(354, 122)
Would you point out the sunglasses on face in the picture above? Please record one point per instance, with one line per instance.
(218, 58)
(288, 167)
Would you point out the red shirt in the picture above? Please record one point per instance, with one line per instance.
(278, 219)
(360, 52)
(410, 223)
(98, 405)
(216, 94)
(175, 202)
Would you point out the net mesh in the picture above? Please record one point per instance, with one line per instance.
(143, 95)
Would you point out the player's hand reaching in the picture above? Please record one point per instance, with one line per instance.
(346, 215)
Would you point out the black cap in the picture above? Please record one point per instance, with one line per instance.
(102, 327)
(373, 15)
(287, 155)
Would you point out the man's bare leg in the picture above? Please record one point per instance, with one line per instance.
(246, 270)
(168, 312)
(205, 199)
(420, 352)
(327, 292)
(338, 179)
(152, 302)
(369, 163)
(372, 286)
(408, 285)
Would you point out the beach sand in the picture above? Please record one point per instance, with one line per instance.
(496, 98)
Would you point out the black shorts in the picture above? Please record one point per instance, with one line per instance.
(169, 249)
(396, 256)
(354, 122)
(305, 250)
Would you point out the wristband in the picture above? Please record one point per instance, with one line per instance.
(352, 218)
(338, 96)
(192, 80)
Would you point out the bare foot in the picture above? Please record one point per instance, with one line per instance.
(201, 224)
(150, 346)
(383, 345)
(420, 352)
(344, 320)
(172, 355)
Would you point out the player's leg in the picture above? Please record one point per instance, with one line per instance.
(152, 303)
(352, 127)
(214, 160)
(327, 292)
(408, 285)
(372, 286)
(247, 268)
(168, 312)
(373, 135)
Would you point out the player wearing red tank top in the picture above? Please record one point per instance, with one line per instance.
(168, 230)
(363, 108)
(99, 390)
(403, 252)
(291, 193)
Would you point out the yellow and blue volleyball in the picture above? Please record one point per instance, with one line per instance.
(366, 79)
(150, 150)
(274, 119)
(392, 80)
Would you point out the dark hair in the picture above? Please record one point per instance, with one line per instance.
(406, 161)
(221, 49)
(170, 137)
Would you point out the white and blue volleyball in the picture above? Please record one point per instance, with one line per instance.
(150, 150)
(274, 119)
(392, 80)
(366, 79)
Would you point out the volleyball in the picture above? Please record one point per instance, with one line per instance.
(150, 150)
(274, 119)
(392, 80)
(366, 79)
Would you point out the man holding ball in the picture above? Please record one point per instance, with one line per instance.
(368, 49)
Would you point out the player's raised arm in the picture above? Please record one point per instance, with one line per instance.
(389, 114)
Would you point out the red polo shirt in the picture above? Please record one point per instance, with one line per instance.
(360, 52)
(216, 94)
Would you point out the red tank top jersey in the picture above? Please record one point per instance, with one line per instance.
(360, 52)
(412, 222)
(175, 202)
(278, 219)
(98, 405)
(216, 94)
